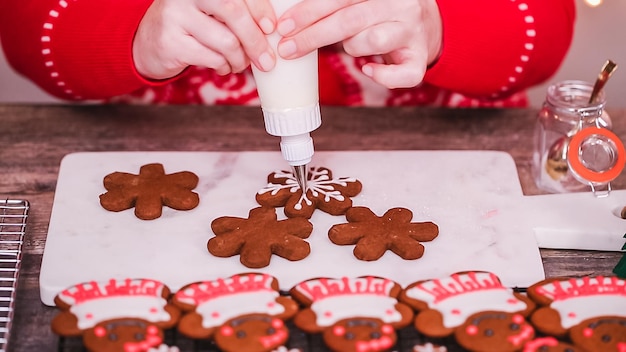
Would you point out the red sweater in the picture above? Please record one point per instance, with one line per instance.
(492, 51)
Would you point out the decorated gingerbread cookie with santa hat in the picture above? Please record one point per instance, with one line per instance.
(134, 311)
(590, 310)
(244, 312)
(473, 306)
(353, 314)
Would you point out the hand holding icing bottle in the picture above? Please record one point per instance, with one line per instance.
(290, 102)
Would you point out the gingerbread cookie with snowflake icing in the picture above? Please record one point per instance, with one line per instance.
(445, 304)
(353, 314)
(149, 191)
(135, 311)
(374, 235)
(260, 236)
(244, 312)
(590, 310)
(328, 194)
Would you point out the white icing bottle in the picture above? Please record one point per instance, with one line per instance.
(289, 95)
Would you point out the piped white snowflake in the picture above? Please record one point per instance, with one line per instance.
(331, 195)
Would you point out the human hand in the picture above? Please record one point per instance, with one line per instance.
(407, 34)
(220, 34)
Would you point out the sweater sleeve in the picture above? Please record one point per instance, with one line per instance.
(73, 49)
(494, 48)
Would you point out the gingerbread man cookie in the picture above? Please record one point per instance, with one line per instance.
(134, 311)
(328, 194)
(241, 313)
(354, 314)
(374, 235)
(259, 236)
(149, 191)
(590, 310)
(445, 304)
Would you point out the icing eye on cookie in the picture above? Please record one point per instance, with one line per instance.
(328, 194)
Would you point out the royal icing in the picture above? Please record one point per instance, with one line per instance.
(94, 302)
(461, 295)
(164, 348)
(319, 182)
(336, 299)
(579, 299)
(222, 299)
(429, 347)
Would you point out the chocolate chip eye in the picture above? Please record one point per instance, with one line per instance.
(112, 337)
(566, 350)
(606, 338)
(241, 334)
(139, 336)
(271, 331)
(543, 349)
(488, 332)
(514, 326)
(375, 335)
(349, 336)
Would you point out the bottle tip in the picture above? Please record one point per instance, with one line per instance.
(300, 172)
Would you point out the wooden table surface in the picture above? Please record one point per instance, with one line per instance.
(34, 139)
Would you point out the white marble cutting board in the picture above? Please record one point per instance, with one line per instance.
(474, 197)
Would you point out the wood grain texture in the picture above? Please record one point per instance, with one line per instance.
(34, 139)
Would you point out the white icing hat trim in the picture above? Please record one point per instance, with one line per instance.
(217, 311)
(92, 312)
(330, 310)
(575, 310)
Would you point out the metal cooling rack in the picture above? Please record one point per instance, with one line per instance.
(13, 214)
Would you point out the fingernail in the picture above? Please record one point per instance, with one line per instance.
(287, 48)
(267, 26)
(367, 70)
(266, 61)
(286, 26)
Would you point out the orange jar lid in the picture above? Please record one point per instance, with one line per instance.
(575, 155)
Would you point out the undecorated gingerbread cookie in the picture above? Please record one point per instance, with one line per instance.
(258, 237)
(328, 194)
(241, 313)
(149, 191)
(374, 235)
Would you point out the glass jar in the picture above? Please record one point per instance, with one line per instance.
(574, 147)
